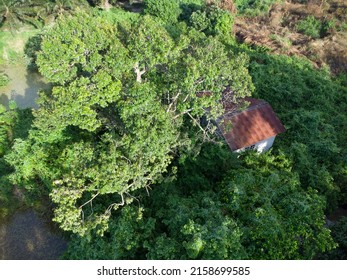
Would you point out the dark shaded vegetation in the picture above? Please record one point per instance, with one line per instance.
(15, 123)
(339, 232)
(314, 114)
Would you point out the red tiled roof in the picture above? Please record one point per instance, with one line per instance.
(255, 123)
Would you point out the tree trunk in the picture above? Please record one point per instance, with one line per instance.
(138, 72)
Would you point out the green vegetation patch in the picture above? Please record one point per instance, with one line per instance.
(254, 7)
(314, 115)
(12, 45)
(315, 28)
(14, 124)
(4, 79)
(97, 156)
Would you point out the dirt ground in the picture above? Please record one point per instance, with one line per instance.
(277, 30)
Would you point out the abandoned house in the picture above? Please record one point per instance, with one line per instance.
(251, 125)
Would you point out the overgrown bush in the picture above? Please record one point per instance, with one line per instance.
(7, 121)
(222, 21)
(167, 10)
(199, 20)
(315, 28)
(4, 80)
(312, 105)
(254, 7)
(213, 21)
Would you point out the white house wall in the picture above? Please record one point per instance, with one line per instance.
(261, 146)
(264, 145)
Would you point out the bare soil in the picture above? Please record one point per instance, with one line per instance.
(277, 31)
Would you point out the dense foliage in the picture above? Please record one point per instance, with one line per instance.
(252, 208)
(254, 7)
(314, 114)
(7, 122)
(118, 146)
(115, 118)
(339, 232)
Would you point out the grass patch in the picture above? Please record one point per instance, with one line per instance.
(12, 45)
(285, 42)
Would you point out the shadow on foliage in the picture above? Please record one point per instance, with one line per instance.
(32, 46)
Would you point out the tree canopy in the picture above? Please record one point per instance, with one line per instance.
(114, 119)
(257, 210)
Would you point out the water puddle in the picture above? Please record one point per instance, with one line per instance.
(23, 86)
(27, 236)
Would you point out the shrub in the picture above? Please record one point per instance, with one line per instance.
(327, 27)
(167, 10)
(4, 80)
(199, 20)
(310, 26)
(213, 21)
(254, 7)
(315, 28)
(222, 21)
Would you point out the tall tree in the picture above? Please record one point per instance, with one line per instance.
(112, 123)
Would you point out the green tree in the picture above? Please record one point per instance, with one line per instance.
(279, 219)
(72, 50)
(193, 227)
(114, 119)
(213, 21)
(170, 227)
(251, 207)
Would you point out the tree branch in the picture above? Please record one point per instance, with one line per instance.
(138, 72)
(180, 114)
(173, 101)
(109, 208)
(90, 200)
(201, 128)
